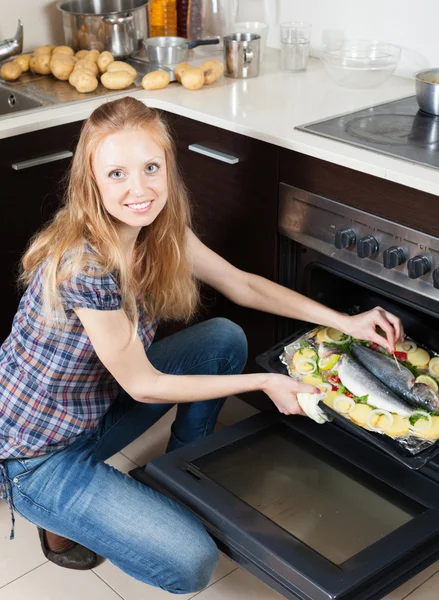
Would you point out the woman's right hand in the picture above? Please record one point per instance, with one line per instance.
(282, 391)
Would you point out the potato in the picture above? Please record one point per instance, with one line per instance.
(85, 82)
(119, 65)
(180, 69)
(432, 433)
(88, 64)
(44, 50)
(330, 397)
(77, 71)
(116, 80)
(193, 78)
(82, 54)
(105, 58)
(156, 80)
(63, 50)
(10, 71)
(304, 353)
(40, 64)
(62, 66)
(93, 55)
(312, 379)
(360, 413)
(212, 69)
(400, 425)
(23, 60)
(418, 358)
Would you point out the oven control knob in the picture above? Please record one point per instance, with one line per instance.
(418, 266)
(344, 238)
(393, 257)
(436, 278)
(367, 246)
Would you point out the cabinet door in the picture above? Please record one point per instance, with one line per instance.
(235, 212)
(32, 168)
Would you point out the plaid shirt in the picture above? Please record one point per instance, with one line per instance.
(53, 387)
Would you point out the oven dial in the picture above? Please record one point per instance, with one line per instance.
(367, 246)
(393, 257)
(344, 238)
(418, 266)
(436, 278)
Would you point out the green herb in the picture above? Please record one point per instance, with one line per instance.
(416, 417)
(342, 389)
(334, 373)
(361, 399)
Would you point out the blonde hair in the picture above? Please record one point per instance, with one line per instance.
(161, 279)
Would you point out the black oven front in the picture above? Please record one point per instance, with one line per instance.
(320, 512)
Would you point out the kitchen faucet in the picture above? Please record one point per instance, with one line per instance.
(14, 45)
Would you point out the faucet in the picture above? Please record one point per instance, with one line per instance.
(14, 45)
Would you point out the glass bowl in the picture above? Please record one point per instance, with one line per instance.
(360, 63)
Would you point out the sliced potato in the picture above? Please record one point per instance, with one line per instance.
(11, 71)
(312, 379)
(360, 413)
(156, 80)
(330, 397)
(304, 353)
(418, 358)
(119, 65)
(399, 427)
(432, 433)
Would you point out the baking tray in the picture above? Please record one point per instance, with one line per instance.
(270, 361)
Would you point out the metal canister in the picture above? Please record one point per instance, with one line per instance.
(241, 55)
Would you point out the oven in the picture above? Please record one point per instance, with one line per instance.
(328, 511)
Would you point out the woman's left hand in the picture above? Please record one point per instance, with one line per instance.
(364, 327)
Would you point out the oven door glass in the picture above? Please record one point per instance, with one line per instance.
(309, 509)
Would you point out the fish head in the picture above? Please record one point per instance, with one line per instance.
(425, 396)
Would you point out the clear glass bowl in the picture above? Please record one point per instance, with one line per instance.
(360, 63)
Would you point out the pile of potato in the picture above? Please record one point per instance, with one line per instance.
(81, 70)
(192, 78)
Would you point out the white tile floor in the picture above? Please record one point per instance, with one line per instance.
(25, 573)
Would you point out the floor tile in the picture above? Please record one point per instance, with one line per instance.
(235, 410)
(238, 585)
(426, 591)
(131, 589)
(22, 554)
(50, 582)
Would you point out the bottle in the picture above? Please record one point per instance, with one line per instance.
(189, 19)
(162, 17)
(182, 16)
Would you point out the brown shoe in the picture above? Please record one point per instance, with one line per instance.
(76, 557)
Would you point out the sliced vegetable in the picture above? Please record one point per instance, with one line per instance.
(313, 379)
(433, 367)
(422, 423)
(326, 363)
(360, 413)
(399, 427)
(306, 366)
(325, 387)
(432, 433)
(406, 346)
(343, 404)
(330, 397)
(309, 404)
(432, 383)
(376, 426)
(304, 353)
(321, 335)
(335, 336)
(419, 358)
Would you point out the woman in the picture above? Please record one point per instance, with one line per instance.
(79, 379)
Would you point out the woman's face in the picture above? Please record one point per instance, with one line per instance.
(130, 171)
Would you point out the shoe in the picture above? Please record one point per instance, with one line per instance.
(78, 557)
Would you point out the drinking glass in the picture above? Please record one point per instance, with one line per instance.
(295, 40)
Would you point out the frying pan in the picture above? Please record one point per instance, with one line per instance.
(170, 50)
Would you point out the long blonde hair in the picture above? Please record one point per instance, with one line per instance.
(161, 278)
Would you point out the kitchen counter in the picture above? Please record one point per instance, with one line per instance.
(267, 108)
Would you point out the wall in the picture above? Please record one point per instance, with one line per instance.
(41, 21)
(409, 24)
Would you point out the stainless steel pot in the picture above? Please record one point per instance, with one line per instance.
(427, 90)
(115, 25)
(171, 50)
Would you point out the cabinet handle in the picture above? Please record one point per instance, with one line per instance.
(227, 158)
(34, 162)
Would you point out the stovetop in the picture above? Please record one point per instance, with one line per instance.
(399, 129)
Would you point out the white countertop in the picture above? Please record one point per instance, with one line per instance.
(267, 108)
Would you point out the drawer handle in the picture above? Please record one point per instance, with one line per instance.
(227, 158)
(42, 160)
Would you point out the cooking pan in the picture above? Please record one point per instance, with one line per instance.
(427, 90)
(170, 50)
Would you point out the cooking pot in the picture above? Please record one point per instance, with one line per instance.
(170, 50)
(427, 90)
(118, 26)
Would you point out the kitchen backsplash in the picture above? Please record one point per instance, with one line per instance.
(396, 21)
(409, 24)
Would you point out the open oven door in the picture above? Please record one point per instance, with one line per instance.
(314, 511)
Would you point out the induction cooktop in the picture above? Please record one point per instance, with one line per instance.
(398, 128)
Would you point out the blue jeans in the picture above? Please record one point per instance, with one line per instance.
(73, 493)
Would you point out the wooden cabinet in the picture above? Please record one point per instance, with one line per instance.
(32, 168)
(235, 212)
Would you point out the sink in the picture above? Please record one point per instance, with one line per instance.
(13, 101)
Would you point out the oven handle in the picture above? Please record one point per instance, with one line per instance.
(227, 158)
(41, 160)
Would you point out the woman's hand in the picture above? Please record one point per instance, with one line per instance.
(364, 327)
(282, 391)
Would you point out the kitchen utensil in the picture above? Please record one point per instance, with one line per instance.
(119, 28)
(256, 27)
(241, 55)
(361, 63)
(12, 46)
(427, 90)
(169, 50)
(218, 19)
(294, 49)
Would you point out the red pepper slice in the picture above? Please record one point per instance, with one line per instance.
(401, 355)
(349, 394)
(333, 379)
(334, 388)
